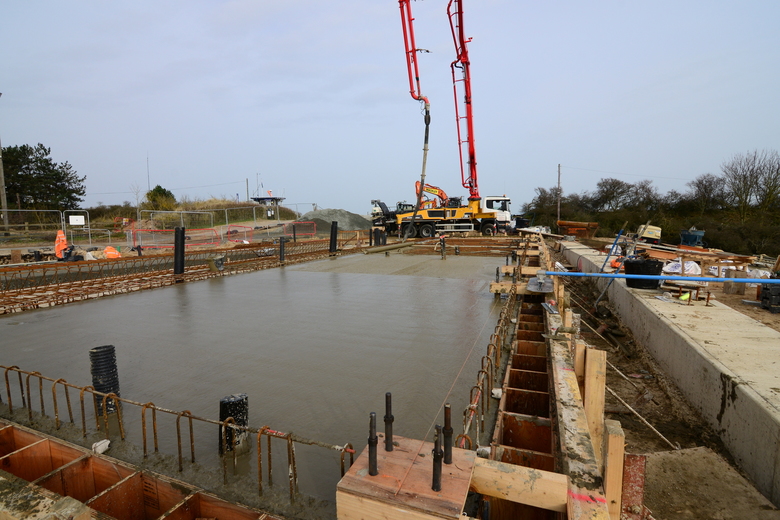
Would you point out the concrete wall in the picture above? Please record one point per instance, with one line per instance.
(726, 365)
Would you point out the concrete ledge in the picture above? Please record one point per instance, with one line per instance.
(726, 364)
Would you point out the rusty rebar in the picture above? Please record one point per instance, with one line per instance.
(188, 414)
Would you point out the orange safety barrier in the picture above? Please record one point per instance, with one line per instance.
(60, 244)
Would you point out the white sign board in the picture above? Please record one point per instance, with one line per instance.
(76, 220)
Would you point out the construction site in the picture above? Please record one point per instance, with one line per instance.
(565, 404)
(438, 359)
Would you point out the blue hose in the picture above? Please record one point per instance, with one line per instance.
(662, 277)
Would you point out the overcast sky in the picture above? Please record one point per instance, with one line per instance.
(310, 98)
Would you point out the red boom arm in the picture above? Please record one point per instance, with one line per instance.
(411, 50)
(462, 62)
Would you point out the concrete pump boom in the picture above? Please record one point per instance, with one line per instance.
(455, 13)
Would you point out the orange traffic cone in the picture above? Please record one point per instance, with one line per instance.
(111, 252)
(60, 244)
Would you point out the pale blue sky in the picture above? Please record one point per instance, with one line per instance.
(311, 97)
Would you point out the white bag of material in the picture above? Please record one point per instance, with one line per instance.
(691, 268)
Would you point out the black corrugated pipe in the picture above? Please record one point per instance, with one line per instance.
(178, 251)
(334, 233)
(105, 377)
(237, 407)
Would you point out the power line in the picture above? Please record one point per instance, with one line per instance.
(171, 189)
(627, 174)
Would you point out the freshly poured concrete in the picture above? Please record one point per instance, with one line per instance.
(315, 346)
(725, 363)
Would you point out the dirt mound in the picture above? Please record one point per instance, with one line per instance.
(347, 221)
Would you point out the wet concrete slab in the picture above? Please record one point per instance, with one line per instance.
(315, 346)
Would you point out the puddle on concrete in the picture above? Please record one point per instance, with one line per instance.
(315, 347)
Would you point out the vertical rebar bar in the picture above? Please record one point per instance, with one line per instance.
(437, 458)
(372, 442)
(447, 434)
(388, 422)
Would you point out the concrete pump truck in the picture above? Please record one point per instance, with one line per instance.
(488, 215)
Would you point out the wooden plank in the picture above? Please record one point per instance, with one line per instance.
(614, 452)
(354, 507)
(586, 493)
(504, 287)
(524, 270)
(633, 496)
(595, 384)
(579, 365)
(528, 486)
(403, 485)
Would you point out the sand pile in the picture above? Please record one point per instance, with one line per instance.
(347, 221)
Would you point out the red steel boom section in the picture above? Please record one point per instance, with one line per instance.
(411, 50)
(462, 63)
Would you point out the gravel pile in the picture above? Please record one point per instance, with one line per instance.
(347, 221)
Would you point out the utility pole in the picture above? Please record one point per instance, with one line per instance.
(3, 200)
(559, 192)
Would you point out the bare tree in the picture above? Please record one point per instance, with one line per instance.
(768, 188)
(741, 177)
(707, 192)
(612, 194)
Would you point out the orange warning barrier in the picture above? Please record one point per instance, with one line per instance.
(60, 244)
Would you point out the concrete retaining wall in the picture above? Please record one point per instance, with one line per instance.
(726, 364)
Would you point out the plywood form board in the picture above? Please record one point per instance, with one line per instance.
(531, 348)
(523, 457)
(528, 380)
(29, 463)
(532, 363)
(123, 501)
(74, 479)
(402, 489)
(525, 432)
(577, 456)
(526, 402)
(12, 439)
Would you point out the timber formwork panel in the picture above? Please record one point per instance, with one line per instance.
(530, 348)
(75, 483)
(525, 432)
(529, 362)
(527, 380)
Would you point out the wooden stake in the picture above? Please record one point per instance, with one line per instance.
(614, 451)
(595, 385)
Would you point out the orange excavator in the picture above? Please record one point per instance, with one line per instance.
(433, 190)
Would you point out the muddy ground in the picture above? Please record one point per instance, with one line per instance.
(681, 482)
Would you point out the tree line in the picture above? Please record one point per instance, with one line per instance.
(738, 208)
